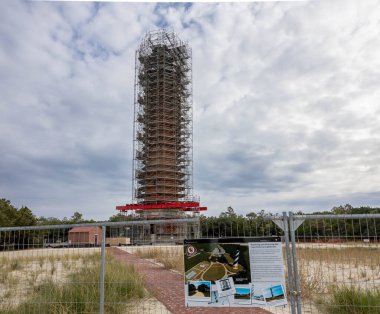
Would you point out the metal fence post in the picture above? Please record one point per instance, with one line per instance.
(295, 266)
(283, 224)
(102, 268)
(289, 261)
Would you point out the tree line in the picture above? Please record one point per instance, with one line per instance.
(230, 224)
(227, 224)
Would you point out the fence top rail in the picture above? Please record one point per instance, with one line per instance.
(348, 216)
(104, 223)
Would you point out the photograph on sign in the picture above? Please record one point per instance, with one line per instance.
(225, 287)
(274, 294)
(199, 291)
(234, 272)
(243, 294)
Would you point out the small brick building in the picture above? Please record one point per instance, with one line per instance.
(85, 235)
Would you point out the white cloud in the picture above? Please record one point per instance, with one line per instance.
(286, 103)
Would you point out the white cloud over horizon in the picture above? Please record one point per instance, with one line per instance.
(286, 103)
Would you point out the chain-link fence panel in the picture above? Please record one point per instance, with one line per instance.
(50, 269)
(338, 263)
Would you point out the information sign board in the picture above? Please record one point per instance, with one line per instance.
(234, 272)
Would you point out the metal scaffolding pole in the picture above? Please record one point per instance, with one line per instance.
(162, 167)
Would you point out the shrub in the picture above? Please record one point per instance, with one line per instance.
(350, 300)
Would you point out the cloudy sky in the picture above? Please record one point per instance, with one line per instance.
(286, 103)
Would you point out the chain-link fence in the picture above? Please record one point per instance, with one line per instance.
(332, 264)
(338, 263)
(90, 268)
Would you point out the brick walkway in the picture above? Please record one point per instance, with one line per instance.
(168, 288)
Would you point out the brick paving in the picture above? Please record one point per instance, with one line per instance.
(167, 287)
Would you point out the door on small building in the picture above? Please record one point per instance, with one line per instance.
(96, 239)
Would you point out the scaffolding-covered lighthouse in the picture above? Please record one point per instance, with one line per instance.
(163, 129)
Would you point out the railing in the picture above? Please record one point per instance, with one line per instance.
(332, 262)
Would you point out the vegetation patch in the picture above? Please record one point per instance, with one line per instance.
(350, 300)
(169, 258)
(80, 293)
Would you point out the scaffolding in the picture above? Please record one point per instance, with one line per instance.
(163, 139)
(163, 160)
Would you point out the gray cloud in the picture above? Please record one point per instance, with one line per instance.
(286, 103)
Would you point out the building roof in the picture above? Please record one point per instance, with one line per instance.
(84, 229)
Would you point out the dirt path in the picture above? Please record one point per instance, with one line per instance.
(167, 286)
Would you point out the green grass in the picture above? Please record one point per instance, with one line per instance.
(80, 294)
(215, 272)
(350, 300)
(15, 265)
(190, 262)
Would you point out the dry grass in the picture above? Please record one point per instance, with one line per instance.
(79, 292)
(168, 257)
(310, 280)
(356, 255)
(319, 267)
(324, 272)
(21, 275)
(354, 266)
(339, 279)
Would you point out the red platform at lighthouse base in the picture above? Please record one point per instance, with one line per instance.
(183, 206)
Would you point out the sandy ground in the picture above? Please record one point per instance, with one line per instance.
(148, 306)
(317, 274)
(327, 245)
(48, 252)
(163, 248)
(321, 271)
(22, 271)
